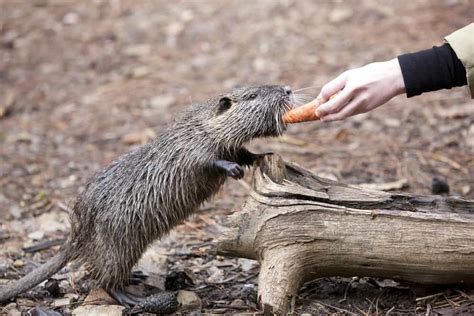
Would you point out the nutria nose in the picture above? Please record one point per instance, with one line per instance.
(287, 90)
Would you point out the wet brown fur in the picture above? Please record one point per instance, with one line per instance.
(142, 195)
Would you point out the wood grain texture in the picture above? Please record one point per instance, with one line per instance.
(301, 227)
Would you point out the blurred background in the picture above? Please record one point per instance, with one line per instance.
(82, 82)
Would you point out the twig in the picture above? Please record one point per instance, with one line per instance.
(293, 304)
(452, 303)
(347, 290)
(229, 280)
(453, 164)
(428, 309)
(424, 298)
(44, 245)
(464, 294)
(370, 306)
(390, 310)
(377, 304)
(361, 311)
(337, 308)
(63, 207)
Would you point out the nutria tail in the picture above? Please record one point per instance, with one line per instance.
(35, 277)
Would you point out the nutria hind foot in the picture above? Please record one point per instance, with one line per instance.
(125, 298)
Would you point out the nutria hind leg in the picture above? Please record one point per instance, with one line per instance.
(125, 298)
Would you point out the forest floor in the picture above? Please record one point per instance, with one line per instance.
(82, 82)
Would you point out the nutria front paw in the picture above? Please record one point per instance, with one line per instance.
(232, 169)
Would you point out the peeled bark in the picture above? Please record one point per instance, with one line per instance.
(301, 227)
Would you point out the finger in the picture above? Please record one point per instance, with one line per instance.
(335, 104)
(352, 108)
(333, 86)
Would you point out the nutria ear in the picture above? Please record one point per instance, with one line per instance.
(224, 104)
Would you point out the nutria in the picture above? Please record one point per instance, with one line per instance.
(143, 194)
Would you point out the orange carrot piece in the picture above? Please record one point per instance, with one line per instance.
(304, 113)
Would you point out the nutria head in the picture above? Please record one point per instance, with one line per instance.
(248, 113)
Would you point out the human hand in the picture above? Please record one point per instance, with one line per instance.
(360, 90)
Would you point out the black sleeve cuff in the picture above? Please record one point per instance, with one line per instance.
(432, 69)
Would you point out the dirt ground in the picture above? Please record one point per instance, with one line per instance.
(82, 82)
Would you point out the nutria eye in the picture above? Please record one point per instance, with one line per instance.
(252, 96)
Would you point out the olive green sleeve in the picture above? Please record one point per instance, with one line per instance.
(462, 42)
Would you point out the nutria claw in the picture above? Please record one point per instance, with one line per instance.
(232, 169)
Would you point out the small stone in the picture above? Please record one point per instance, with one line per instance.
(140, 137)
(67, 182)
(137, 50)
(139, 72)
(153, 265)
(189, 299)
(18, 263)
(13, 312)
(53, 221)
(71, 18)
(98, 310)
(247, 264)
(465, 189)
(37, 235)
(216, 275)
(61, 302)
(10, 309)
(174, 29)
(162, 102)
(340, 14)
(16, 211)
(237, 302)
(392, 122)
(73, 297)
(260, 64)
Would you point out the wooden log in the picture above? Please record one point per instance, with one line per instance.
(301, 227)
